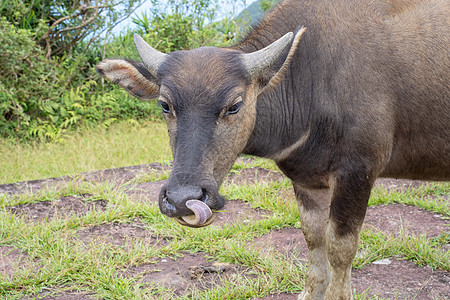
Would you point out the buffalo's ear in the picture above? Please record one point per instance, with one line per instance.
(130, 75)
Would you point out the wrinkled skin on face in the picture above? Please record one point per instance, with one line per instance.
(208, 98)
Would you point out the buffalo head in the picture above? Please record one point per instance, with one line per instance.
(208, 98)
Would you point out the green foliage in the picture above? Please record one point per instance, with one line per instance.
(186, 24)
(48, 50)
(79, 106)
(60, 25)
(268, 4)
(28, 80)
(37, 98)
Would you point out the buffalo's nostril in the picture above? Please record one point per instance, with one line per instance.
(168, 207)
(205, 196)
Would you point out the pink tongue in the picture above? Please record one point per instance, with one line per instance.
(201, 210)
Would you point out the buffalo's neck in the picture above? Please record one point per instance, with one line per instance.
(282, 119)
(297, 125)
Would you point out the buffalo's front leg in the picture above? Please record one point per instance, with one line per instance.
(348, 207)
(314, 212)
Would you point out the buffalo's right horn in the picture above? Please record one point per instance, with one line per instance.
(151, 58)
(258, 61)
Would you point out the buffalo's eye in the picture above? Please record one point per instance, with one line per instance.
(234, 109)
(165, 107)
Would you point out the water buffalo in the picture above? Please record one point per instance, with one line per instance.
(363, 92)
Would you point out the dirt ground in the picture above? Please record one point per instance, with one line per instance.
(394, 278)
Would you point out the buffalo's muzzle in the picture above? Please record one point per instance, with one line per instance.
(190, 205)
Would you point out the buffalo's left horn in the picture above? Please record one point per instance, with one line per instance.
(151, 58)
(257, 61)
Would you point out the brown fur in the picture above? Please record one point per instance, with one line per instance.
(364, 93)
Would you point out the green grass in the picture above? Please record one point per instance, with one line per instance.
(64, 262)
(120, 145)
(427, 197)
(96, 269)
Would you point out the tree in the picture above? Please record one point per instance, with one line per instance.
(60, 25)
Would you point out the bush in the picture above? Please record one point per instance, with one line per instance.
(80, 107)
(186, 24)
(28, 81)
(37, 98)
